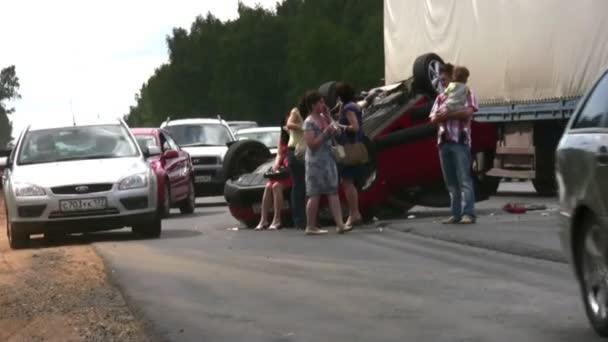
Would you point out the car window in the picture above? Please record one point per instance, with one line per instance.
(200, 134)
(172, 144)
(270, 139)
(164, 143)
(146, 140)
(595, 108)
(76, 143)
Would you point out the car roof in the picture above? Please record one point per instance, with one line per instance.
(145, 130)
(241, 122)
(196, 121)
(61, 123)
(259, 130)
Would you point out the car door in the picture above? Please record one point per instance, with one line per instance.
(176, 168)
(583, 153)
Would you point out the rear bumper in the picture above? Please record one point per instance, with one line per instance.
(85, 224)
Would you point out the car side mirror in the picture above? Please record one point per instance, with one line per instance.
(170, 154)
(152, 151)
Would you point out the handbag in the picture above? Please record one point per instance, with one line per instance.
(281, 173)
(350, 154)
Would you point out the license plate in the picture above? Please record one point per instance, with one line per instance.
(257, 208)
(202, 179)
(83, 204)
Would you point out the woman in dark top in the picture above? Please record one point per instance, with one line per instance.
(351, 119)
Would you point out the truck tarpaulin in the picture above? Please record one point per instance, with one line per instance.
(516, 50)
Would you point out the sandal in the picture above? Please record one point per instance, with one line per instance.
(275, 226)
(261, 226)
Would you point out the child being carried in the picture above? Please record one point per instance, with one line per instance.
(457, 91)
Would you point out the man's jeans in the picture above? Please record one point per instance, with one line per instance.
(456, 166)
(298, 190)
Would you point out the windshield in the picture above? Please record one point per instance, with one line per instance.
(76, 143)
(200, 135)
(146, 140)
(270, 139)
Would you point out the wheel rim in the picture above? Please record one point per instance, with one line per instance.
(434, 69)
(595, 272)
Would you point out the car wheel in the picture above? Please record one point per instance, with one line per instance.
(426, 73)
(592, 270)
(165, 208)
(149, 230)
(189, 204)
(244, 157)
(16, 240)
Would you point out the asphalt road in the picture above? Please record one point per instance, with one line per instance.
(204, 281)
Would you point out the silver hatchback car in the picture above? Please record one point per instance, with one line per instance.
(77, 178)
(582, 175)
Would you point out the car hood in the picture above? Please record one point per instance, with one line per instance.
(199, 151)
(78, 171)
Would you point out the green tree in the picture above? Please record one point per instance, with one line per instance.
(257, 66)
(9, 90)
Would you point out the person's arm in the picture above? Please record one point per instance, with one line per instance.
(279, 158)
(436, 116)
(313, 141)
(353, 123)
(464, 114)
(293, 121)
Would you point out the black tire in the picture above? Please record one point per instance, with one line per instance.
(188, 205)
(588, 224)
(244, 157)
(426, 73)
(328, 91)
(16, 240)
(150, 230)
(164, 208)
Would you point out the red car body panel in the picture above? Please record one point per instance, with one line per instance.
(177, 171)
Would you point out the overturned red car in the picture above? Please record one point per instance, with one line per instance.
(404, 170)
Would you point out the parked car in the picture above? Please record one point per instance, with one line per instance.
(582, 175)
(404, 170)
(173, 168)
(268, 136)
(236, 126)
(69, 178)
(3, 157)
(206, 140)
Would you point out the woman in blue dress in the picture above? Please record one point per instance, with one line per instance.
(321, 169)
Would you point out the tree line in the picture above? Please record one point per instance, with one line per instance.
(257, 66)
(9, 90)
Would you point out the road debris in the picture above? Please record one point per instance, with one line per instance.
(519, 208)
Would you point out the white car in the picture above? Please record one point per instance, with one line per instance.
(206, 140)
(268, 136)
(71, 178)
(236, 126)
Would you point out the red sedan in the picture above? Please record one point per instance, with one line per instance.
(173, 168)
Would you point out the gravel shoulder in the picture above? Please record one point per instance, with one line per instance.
(60, 293)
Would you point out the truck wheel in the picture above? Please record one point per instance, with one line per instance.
(244, 157)
(426, 73)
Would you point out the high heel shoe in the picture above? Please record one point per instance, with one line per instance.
(261, 226)
(275, 226)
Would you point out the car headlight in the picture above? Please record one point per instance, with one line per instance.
(136, 181)
(27, 190)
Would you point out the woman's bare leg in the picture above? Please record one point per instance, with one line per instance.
(352, 198)
(266, 203)
(277, 191)
(336, 210)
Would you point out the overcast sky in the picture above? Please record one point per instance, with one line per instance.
(91, 57)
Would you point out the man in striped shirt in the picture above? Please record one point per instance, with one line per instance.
(454, 142)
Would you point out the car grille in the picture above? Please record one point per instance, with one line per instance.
(81, 189)
(135, 203)
(31, 210)
(59, 214)
(205, 160)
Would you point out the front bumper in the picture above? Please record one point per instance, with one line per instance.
(208, 179)
(83, 225)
